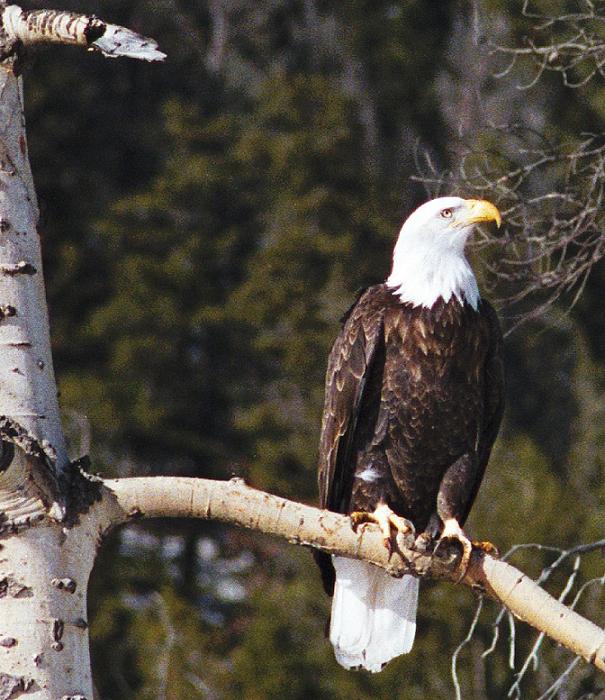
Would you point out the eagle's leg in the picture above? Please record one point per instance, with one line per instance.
(385, 518)
(455, 496)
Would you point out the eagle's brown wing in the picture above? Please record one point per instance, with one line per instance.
(493, 402)
(349, 366)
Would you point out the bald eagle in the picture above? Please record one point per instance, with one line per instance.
(413, 403)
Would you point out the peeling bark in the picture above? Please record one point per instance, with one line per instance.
(13, 686)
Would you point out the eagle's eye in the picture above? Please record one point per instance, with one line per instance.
(446, 213)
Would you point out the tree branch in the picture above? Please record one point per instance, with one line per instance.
(56, 27)
(234, 502)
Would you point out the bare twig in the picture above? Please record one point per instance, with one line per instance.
(460, 647)
(570, 44)
(551, 197)
(550, 189)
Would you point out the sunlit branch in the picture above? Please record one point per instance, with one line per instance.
(236, 503)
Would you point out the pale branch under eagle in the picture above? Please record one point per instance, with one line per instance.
(413, 403)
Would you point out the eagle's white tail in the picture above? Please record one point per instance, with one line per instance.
(373, 615)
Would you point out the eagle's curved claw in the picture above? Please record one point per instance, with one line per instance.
(453, 531)
(385, 518)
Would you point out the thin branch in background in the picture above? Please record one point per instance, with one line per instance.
(550, 193)
(201, 687)
(559, 681)
(532, 658)
(551, 198)
(571, 45)
(512, 637)
(460, 647)
(166, 649)
(531, 662)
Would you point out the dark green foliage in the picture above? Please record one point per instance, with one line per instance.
(205, 224)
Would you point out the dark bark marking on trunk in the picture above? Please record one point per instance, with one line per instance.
(13, 686)
(95, 30)
(7, 454)
(57, 630)
(10, 588)
(6, 311)
(81, 490)
(20, 268)
(64, 584)
(11, 52)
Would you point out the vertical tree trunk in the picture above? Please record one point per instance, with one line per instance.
(52, 516)
(46, 550)
(27, 385)
(43, 569)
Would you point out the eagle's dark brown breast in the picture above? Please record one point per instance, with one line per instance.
(429, 410)
(411, 393)
(406, 396)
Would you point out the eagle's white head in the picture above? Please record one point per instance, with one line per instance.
(429, 260)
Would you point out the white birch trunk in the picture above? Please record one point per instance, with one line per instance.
(28, 392)
(46, 551)
(43, 637)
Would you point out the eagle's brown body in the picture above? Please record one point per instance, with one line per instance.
(413, 403)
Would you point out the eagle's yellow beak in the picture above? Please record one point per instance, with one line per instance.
(478, 210)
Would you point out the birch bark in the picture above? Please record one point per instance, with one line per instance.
(46, 551)
(38, 654)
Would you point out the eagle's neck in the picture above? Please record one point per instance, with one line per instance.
(420, 276)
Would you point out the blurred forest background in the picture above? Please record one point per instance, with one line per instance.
(205, 224)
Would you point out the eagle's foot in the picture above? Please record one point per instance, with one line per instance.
(385, 518)
(487, 548)
(427, 541)
(453, 531)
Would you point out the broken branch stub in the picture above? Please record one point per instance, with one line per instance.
(28, 27)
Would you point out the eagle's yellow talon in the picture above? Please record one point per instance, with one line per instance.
(386, 519)
(487, 548)
(360, 518)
